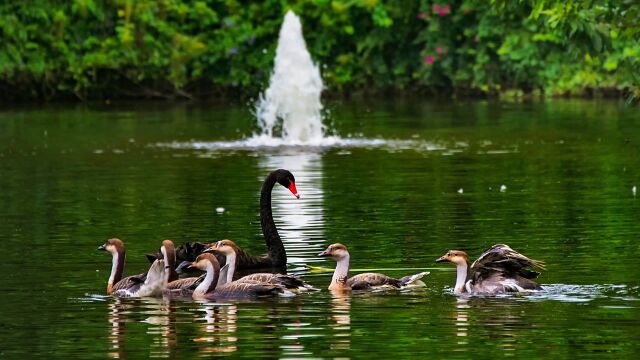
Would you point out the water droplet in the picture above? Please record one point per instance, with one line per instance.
(219, 210)
(460, 191)
(503, 188)
(633, 190)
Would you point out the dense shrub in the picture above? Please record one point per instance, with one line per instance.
(168, 48)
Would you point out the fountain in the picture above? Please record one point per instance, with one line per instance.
(289, 111)
(291, 106)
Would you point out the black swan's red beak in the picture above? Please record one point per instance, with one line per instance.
(292, 188)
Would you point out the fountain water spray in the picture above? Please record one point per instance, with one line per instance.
(292, 100)
(289, 112)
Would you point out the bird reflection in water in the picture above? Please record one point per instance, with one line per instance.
(217, 329)
(503, 324)
(462, 320)
(161, 319)
(116, 335)
(341, 316)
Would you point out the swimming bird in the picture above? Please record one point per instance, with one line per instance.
(276, 254)
(208, 289)
(168, 252)
(499, 269)
(150, 283)
(229, 249)
(364, 281)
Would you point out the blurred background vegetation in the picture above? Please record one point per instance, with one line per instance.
(103, 49)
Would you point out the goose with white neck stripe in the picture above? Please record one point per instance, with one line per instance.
(210, 290)
(365, 281)
(498, 270)
(150, 283)
(229, 249)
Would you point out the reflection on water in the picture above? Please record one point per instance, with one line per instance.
(218, 330)
(462, 320)
(341, 316)
(116, 335)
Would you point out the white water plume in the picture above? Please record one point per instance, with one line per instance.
(291, 106)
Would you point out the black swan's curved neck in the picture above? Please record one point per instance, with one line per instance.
(277, 253)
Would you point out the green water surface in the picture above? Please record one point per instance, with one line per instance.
(74, 176)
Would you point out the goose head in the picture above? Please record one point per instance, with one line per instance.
(114, 246)
(286, 179)
(203, 261)
(168, 250)
(457, 257)
(336, 251)
(225, 247)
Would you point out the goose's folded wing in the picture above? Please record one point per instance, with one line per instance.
(130, 282)
(239, 289)
(186, 283)
(368, 280)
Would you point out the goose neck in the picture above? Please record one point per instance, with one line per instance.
(210, 280)
(231, 261)
(117, 268)
(340, 274)
(461, 278)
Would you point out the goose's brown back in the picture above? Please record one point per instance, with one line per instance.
(369, 280)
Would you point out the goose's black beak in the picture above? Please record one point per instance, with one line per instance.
(102, 248)
(442, 259)
(324, 254)
(185, 265)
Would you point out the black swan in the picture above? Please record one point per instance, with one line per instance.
(365, 281)
(229, 249)
(146, 284)
(209, 288)
(276, 254)
(498, 270)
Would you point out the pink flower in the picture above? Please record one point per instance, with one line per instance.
(429, 60)
(440, 50)
(442, 10)
(422, 16)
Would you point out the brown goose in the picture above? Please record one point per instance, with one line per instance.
(147, 284)
(181, 287)
(168, 252)
(499, 269)
(364, 281)
(276, 254)
(208, 288)
(229, 249)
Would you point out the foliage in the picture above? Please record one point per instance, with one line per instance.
(167, 48)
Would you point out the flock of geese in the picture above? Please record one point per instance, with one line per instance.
(223, 270)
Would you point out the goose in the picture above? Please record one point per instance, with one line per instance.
(364, 281)
(150, 283)
(168, 252)
(276, 254)
(208, 289)
(499, 269)
(229, 249)
(181, 287)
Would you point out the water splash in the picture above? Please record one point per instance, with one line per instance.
(290, 109)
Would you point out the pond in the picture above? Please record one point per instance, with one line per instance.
(553, 180)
